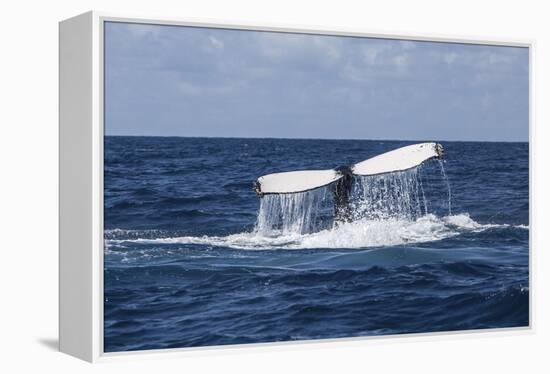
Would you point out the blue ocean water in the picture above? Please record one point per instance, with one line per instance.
(193, 257)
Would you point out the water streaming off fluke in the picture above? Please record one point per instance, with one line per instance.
(294, 213)
(399, 195)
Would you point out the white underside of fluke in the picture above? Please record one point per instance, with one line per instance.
(397, 160)
(299, 181)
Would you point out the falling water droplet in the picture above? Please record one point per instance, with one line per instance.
(446, 179)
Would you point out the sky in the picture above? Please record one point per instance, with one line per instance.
(189, 81)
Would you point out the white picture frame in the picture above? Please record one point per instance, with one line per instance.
(81, 171)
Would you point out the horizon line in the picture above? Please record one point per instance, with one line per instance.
(299, 138)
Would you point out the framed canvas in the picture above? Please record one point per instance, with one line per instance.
(226, 185)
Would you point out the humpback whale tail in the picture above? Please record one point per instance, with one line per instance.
(341, 178)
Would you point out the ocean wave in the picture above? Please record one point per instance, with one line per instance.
(362, 233)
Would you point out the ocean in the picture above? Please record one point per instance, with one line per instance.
(192, 257)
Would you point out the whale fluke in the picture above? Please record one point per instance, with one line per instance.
(400, 159)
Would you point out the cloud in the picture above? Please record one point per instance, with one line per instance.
(216, 43)
(407, 44)
(401, 62)
(449, 58)
(234, 82)
(140, 30)
(373, 54)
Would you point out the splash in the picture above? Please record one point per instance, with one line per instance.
(393, 196)
(364, 233)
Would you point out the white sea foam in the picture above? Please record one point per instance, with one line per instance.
(363, 233)
(463, 221)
